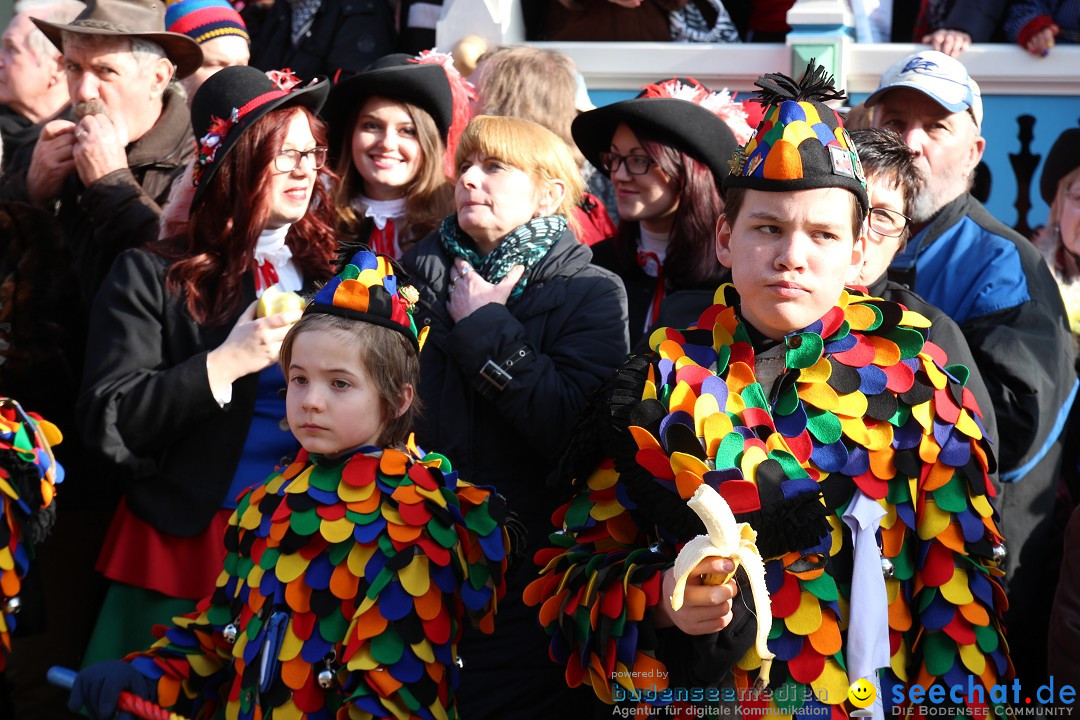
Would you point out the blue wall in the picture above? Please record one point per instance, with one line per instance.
(1053, 115)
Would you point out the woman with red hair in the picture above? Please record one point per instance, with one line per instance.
(181, 391)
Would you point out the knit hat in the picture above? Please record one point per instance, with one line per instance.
(801, 142)
(428, 80)
(203, 20)
(366, 289)
(231, 101)
(680, 112)
(944, 79)
(1063, 158)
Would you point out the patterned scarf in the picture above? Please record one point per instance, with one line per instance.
(525, 245)
(303, 15)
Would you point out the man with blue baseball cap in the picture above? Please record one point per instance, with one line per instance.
(995, 285)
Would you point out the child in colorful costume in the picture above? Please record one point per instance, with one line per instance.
(827, 422)
(350, 569)
(28, 477)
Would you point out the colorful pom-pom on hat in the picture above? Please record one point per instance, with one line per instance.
(800, 142)
(366, 289)
(204, 20)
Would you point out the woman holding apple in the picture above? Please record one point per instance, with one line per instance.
(181, 386)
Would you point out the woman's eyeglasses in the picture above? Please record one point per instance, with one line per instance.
(888, 223)
(289, 160)
(634, 164)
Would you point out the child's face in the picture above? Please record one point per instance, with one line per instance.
(881, 248)
(332, 404)
(790, 254)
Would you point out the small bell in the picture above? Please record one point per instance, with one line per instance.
(655, 547)
(229, 632)
(887, 568)
(13, 605)
(326, 678)
(999, 552)
(459, 662)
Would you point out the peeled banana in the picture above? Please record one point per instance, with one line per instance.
(726, 538)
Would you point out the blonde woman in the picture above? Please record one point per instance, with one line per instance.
(522, 328)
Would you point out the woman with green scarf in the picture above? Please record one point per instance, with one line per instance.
(522, 328)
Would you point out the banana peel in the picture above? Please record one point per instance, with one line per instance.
(726, 538)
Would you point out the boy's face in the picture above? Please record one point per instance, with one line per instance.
(790, 254)
(332, 404)
(880, 248)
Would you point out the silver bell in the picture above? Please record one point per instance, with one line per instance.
(999, 552)
(326, 678)
(229, 632)
(13, 605)
(887, 568)
(459, 662)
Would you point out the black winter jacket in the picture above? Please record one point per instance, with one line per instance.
(570, 323)
(571, 319)
(345, 36)
(146, 403)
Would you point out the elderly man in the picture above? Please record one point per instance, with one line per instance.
(106, 173)
(32, 87)
(994, 284)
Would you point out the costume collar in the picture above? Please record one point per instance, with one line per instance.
(380, 211)
(860, 380)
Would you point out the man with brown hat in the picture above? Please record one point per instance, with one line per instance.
(105, 171)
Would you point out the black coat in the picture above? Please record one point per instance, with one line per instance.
(572, 319)
(345, 36)
(146, 402)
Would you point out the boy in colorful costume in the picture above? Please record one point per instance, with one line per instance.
(349, 570)
(829, 424)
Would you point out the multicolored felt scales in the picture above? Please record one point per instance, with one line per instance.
(342, 594)
(863, 408)
(28, 477)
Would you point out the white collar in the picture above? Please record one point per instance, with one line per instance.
(271, 247)
(380, 211)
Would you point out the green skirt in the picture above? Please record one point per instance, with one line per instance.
(126, 621)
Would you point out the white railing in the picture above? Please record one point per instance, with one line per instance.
(1000, 69)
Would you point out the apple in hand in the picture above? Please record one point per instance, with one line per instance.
(274, 301)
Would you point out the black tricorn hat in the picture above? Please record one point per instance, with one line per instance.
(681, 123)
(1063, 158)
(396, 77)
(132, 19)
(232, 100)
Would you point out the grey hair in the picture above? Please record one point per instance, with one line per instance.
(145, 51)
(54, 11)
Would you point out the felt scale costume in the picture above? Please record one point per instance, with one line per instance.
(346, 580)
(851, 446)
(28, 477)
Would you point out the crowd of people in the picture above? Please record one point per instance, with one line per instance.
(391, 391)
